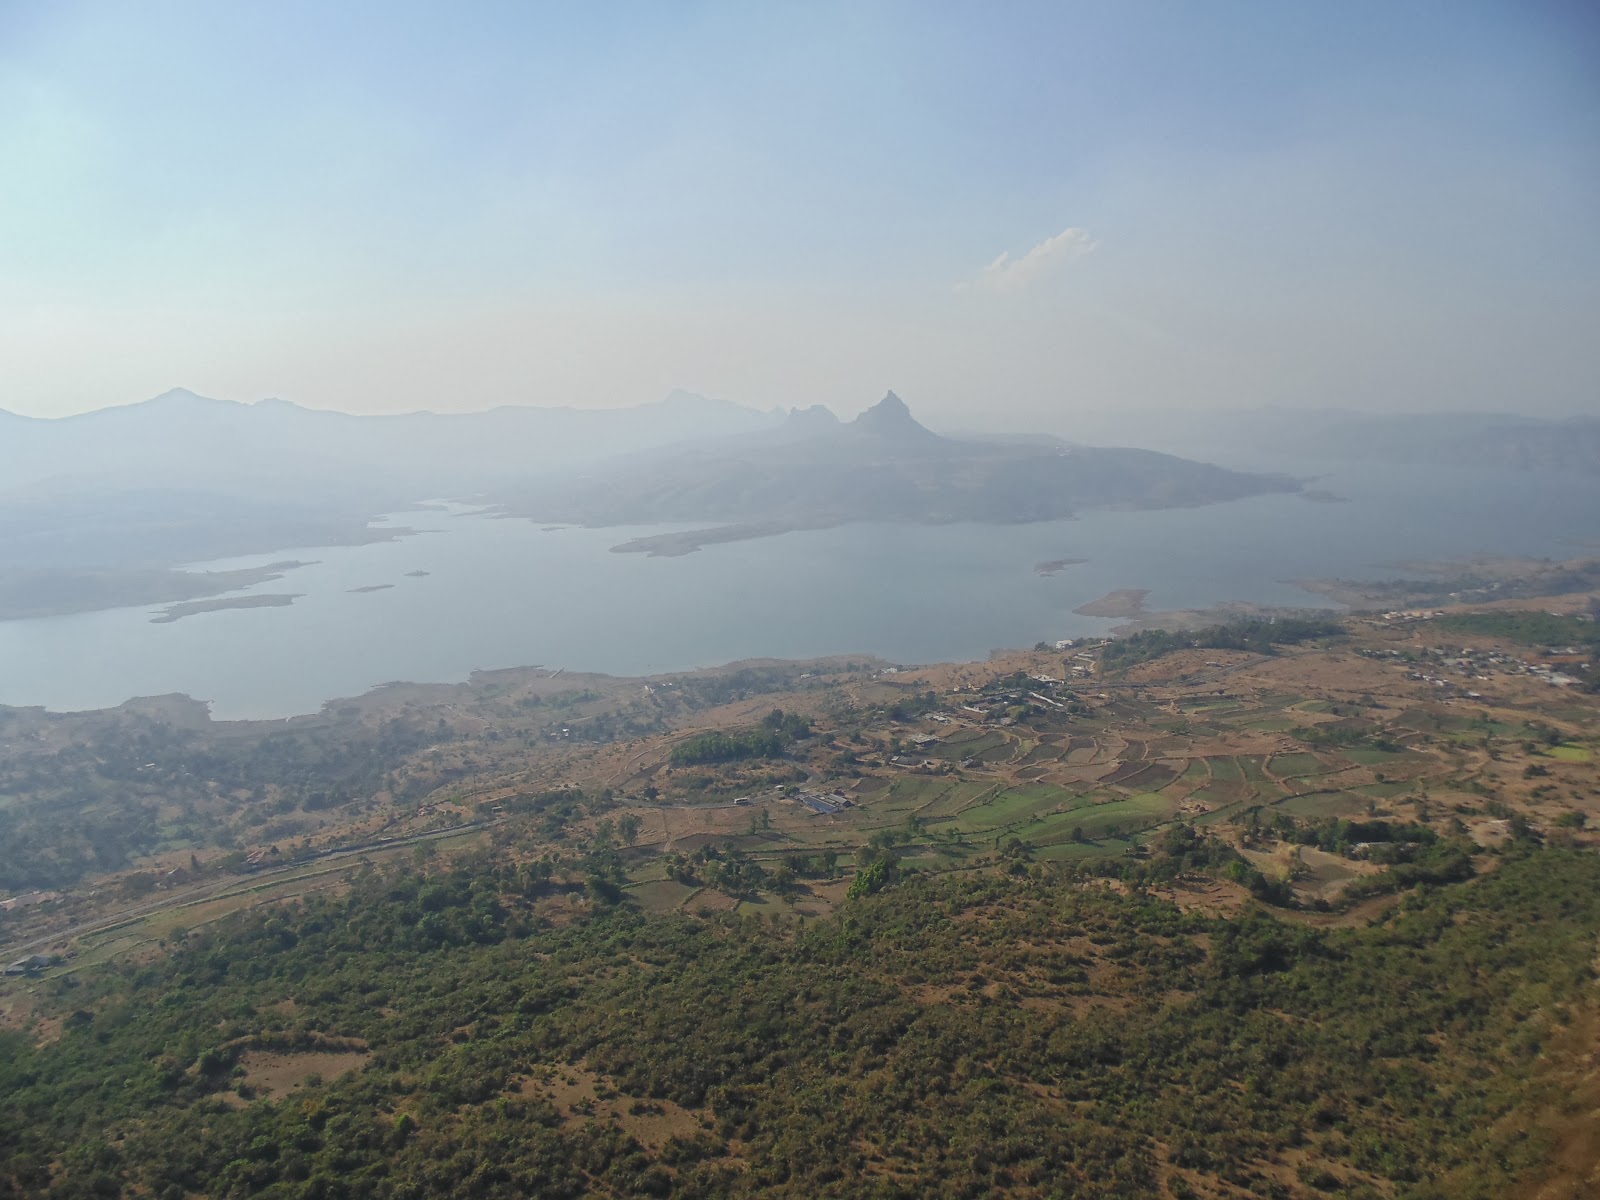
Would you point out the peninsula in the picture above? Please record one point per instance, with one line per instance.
(191, 608)
(815, 471)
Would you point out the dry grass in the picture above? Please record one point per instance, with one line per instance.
(273, 1074)
(580, 1095)
(1572, 1122)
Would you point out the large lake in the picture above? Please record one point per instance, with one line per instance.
(504, 593)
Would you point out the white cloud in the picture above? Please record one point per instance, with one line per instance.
(1007, 274)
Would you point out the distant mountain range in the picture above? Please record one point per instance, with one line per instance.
(97, 510)
(1493, 441)
(181, 440)
(814, 470)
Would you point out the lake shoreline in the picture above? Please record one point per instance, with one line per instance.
(501, 591)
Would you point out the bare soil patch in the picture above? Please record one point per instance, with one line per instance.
(272, 1074)
(581, 1095)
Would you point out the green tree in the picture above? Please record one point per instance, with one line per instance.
(629, 826)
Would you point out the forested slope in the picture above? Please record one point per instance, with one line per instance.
(1035, 1033)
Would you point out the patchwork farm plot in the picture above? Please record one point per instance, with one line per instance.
(1015, 760)
(808, 771)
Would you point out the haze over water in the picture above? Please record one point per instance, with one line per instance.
(503, 593)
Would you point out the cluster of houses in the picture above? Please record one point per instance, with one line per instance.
(30, 965)
(1080, 663)
(1550, 675)
(29, 900)
(257, 859)
(1040, 690)
(825, 804)
(1432, 666)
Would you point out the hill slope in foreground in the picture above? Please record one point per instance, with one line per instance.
(1277, 909)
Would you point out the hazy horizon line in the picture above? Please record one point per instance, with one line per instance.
(1095, 411)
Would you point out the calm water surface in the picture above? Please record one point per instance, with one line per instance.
(506, 593)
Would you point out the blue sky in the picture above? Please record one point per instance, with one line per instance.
(1013, 211)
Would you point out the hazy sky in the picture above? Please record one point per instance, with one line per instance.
(1003, 211)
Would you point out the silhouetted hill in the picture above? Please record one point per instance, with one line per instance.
(884, 465)
(179, 439)
(124, 495)
(1494, 441)
(891, 421)
(97, 509)
(1467, 440)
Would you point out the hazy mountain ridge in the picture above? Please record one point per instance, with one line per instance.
(188, 440)
(184, 478)
(1493, 441)
(128, 494)
(97, 509)
(883, 465)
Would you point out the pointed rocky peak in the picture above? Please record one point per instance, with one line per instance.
(890, 418)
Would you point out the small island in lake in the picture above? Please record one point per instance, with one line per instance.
(371, 587)
(418, 574)
(1057, 565)
(687, 541)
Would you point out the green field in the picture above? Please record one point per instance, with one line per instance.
(1139, 808)
(996, 754)
(1253, 768)
(1095, 819)
(1383, 791)
(1225, 770)
(949, 803)
(1223, 793)
(1065, 851)
(964, 739)
(985, 745)
(1044, 752)
(1270, 724)
(1212, 707)
(912, 791)
(1291, 766)
(1016, 804)
(1373, 758)
(661, 895)
(1325, 804)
